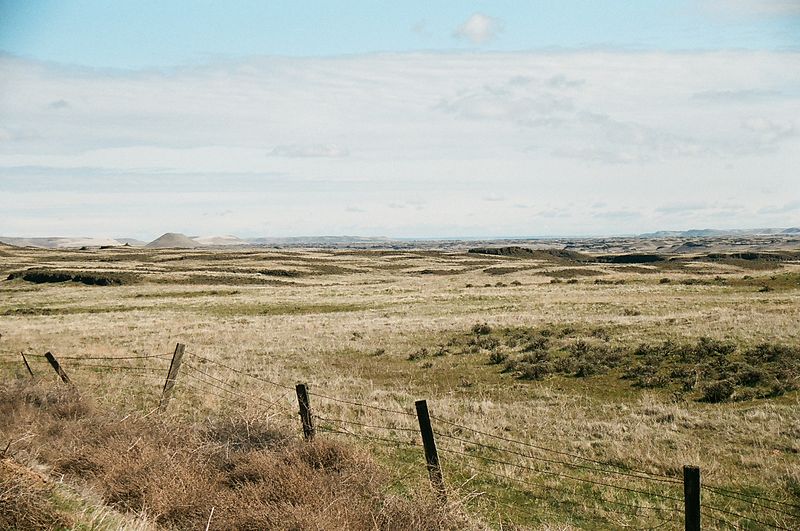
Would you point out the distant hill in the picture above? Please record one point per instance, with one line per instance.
(709, 233)
(60, 243)
(220, 240)
(173, 240)
(317, 240)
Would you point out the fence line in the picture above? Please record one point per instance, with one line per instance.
(562, 490)
(749, 497)
(563, 476)
(555, 461)
(162, 357)
(743, 517)
(395, 442)
(243, 373)
(363, 425)
(200, 380)
(368, 406)
(550, 450)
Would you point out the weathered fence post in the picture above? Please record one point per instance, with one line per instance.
(305, 412)
(24, 359)
(56, 367)
(691, 497)
(172, 375)
(429, 445)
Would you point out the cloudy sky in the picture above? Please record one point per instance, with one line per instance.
(405, 119)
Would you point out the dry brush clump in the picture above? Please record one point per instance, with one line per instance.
(28, 500)
(254, 476)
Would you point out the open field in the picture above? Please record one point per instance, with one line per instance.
(614, 370)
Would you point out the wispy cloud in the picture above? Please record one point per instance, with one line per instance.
(309, 151)
(738, 95)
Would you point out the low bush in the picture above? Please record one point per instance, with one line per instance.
(93, 278)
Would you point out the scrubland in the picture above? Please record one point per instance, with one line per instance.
(567, 390)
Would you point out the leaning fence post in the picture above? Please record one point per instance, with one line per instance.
(56, 367)
(429, 445)
(172, 375)
(305, 412)
(26, 365)
(691, 497)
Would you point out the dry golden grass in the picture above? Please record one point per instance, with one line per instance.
(348, 321)
(251, 474)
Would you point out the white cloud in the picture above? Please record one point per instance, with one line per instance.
(758, 7)
(479, 28)
(770, 131)
(305, 151)
(289, 144)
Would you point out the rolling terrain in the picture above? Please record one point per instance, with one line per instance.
(569, 383)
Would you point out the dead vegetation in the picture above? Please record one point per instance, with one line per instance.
(252, 474)
(28, 500)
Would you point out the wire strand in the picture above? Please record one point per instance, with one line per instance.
(562, 490)
(371, 437)
(193, 372)
(352, 403)
(743, 517)
(115, 367)
(204, 391)
(558, 452)
(388, 428)
(565, 476)
(750, 501)
(706, 514)
(743, 497)
(162, 357)
(556, 461)
(239, 371)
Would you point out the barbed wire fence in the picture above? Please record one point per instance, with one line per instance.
(541, 481)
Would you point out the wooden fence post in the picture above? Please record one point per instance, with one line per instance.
(429, 445)
(172, 375)
(691, 497)
(26, 364)
(56, 367)
(305, 412)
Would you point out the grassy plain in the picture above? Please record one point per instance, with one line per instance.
(612, 374)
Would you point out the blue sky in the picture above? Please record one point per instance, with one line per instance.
(146, 33)
(398, 118)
